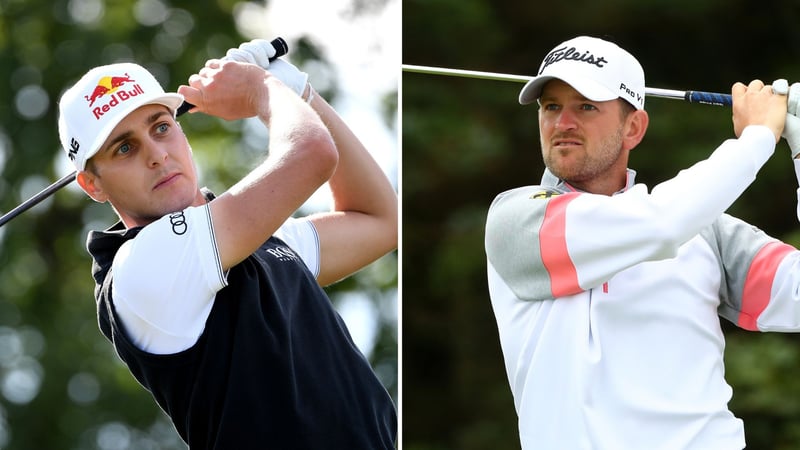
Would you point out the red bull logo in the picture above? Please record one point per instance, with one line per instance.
(111, 87)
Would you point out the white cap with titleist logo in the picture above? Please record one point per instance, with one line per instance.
(598, 69)
(99, 101)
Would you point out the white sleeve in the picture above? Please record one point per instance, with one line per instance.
(301, 236)
(165, 281)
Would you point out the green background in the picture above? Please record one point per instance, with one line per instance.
(466, 140)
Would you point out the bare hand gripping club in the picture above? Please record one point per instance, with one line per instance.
(281, 48)
(707, 98)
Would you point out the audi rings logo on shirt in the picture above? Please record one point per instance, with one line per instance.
(178, 221)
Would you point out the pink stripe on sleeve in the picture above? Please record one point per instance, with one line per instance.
(553, 242)
(758, 284)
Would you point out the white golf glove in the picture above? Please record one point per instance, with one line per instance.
(791, 131)
(290, 75)
(258, 52)
(794, 98)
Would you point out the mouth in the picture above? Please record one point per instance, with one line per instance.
(566, 142)
(166, 180)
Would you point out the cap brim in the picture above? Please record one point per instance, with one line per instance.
(171, 100)
(590, 89)
(533, 90)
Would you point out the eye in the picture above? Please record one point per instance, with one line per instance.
(550, 107)
(162, 127)
(588, 107)
(123, 148)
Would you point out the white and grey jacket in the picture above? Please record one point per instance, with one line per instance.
(608, 306)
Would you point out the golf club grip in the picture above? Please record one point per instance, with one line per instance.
(281, 48)
(709, 98)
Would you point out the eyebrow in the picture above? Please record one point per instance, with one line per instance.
(151, 119)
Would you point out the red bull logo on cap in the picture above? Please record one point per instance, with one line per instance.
(111, 87)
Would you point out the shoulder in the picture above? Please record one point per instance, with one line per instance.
(176, 243)
(166, 233)
(534, 192)
(524, 202)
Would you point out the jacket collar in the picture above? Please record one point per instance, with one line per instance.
(548, 179)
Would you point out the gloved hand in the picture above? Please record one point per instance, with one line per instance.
(290, 75)
(794, 99)
(791, 130)
(258, 52)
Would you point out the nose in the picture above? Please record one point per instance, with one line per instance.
(565, 120)
(157, 154)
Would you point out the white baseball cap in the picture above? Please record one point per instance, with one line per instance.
(598, 69)
(99, 101)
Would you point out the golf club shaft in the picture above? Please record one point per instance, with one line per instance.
(708, 98)
(280, 49)
(36, 199)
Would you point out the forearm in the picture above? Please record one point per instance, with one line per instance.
(301, 158)
(363, 223)
(358, 184)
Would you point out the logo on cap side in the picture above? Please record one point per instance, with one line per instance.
(74, 148)
(637, 97)
(110, 86)
(571, 54)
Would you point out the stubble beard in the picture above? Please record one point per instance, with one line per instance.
(590, 164)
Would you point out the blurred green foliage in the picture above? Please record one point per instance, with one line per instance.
(61, 384)
(466, 140)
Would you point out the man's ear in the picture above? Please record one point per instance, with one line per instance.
(90, 183)
(635, 129)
